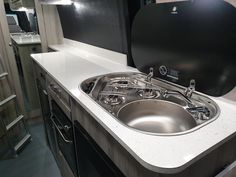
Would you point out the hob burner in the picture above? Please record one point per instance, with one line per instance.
(113, 100)
(121, 82)
(148, 93)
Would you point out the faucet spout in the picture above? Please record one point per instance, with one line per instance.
(150, 75)
(191, 88)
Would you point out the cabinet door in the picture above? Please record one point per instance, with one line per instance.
(43, 97)
(45, 109)
(92, 161)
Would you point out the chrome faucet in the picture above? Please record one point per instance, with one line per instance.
(150, 75)
(191, 88)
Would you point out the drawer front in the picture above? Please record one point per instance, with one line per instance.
(57, 93)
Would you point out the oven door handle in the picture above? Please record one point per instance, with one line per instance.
(58, 129)
(45, 92)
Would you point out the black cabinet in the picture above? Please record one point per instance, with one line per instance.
(92, 161)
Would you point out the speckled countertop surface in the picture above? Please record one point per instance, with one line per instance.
(164, 154)
(24, 39)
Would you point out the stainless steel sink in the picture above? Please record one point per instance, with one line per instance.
(156, 116)
(151, 106)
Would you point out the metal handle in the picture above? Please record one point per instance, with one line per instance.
(53, 87)
(150, 75)
(66, 128)
(56, 89)
(58, 129)
(59, 100)
(45, 92)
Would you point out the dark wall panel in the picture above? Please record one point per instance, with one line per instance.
(100, 23)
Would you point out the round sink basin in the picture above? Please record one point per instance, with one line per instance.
(156, 116)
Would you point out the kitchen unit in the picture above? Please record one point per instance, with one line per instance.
(133, 152)
(169, 116)
(19, 4)
(57, 118)
(24, 44)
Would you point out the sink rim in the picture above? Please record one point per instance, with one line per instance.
(218, 110)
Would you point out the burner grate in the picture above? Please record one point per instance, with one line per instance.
(148, 93)
(121, 82)
(112, 100)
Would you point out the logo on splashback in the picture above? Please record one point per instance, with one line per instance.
(174, 10)
(169, 72)
(163, 70)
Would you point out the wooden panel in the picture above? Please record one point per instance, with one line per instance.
(40, 74)
(5, 89)
(9, 59)
(233, 2)
(4, 148)
(41, 25)
(52, 24)
(28, 74)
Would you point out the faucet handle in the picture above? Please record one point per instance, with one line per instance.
(192, 84)
(151, 70)
(191, 88)
(150, 74)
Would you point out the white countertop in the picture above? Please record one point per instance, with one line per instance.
(163, 154)
(26, 39)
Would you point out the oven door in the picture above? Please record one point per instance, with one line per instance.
(64, 134)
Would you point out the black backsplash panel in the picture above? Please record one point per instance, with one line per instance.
(188, 40)
(100, 23)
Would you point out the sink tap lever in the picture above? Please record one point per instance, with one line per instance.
(191, 88)
(200, 109)
(150, 75)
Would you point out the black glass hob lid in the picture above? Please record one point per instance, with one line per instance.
(188, 40)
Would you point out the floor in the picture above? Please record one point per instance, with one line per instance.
(35, 160)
